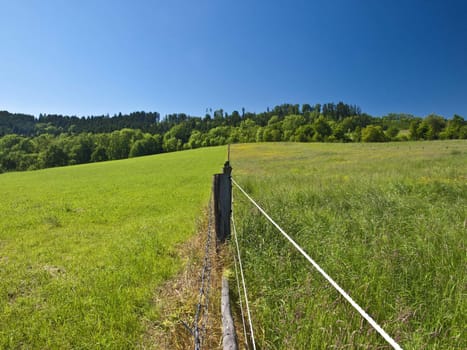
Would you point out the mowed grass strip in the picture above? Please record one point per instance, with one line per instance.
(82, 248)
(386, 221)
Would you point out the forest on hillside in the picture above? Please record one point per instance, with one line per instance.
(28, 143)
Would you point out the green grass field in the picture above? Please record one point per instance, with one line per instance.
(83, 248)
(386, 221)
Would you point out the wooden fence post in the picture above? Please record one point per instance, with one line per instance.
(223, 202)
(222, 188)
(229, 338)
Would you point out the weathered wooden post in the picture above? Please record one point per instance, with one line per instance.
(222, 184)
(229, 337)
(223, 202)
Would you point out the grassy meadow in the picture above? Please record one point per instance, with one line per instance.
(386, 221)
(83, 248)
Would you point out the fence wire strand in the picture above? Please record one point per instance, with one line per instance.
(357, 307)
(252, 336)
(238, 279)
(202, 307)
(245, 335)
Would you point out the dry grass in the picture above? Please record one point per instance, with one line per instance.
(177, 299)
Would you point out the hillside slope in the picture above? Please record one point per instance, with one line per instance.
(82, 248)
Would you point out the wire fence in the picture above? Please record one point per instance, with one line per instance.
(199, 327)
(200, 323)
(245, 292)
(346, 296)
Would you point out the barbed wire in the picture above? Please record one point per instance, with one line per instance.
(199, 328)
(208, 257)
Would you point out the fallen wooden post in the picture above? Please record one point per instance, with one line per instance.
(229, 340)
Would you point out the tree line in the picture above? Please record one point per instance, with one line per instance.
(28, 143)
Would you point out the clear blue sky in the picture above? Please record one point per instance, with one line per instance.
(90, 57)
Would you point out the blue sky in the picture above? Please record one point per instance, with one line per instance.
(91, 57)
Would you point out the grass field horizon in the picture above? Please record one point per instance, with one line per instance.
(82, 248)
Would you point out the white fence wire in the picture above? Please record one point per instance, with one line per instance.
(347, 297)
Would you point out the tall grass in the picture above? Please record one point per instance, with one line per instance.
(385, 221)
(83, 248)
